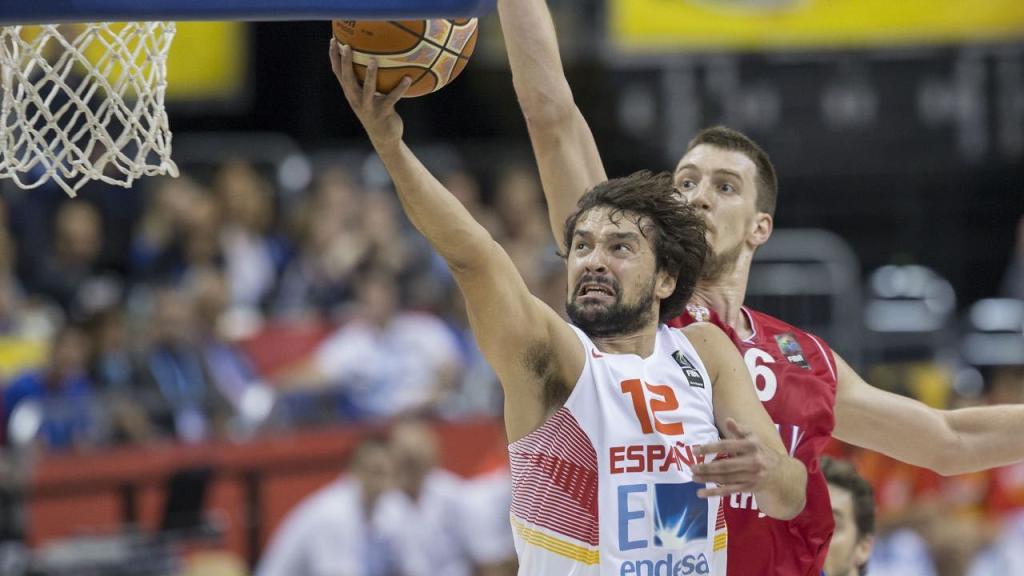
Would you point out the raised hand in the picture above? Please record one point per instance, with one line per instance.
(742, 464)
(375, 111)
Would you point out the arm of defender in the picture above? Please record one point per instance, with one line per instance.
(917, 434)
(526, 342)
(757, 461)
(566, 152)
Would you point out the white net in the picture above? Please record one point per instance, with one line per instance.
(84, 102)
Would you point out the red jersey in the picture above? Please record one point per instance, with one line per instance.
(794, 374)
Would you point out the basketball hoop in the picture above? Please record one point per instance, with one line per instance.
(84, 102)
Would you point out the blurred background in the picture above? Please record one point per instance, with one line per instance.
(183, 363)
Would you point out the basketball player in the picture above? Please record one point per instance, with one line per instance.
(853, 510)
(611, 419)
(809, 391)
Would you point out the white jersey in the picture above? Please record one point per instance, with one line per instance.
(604, 486)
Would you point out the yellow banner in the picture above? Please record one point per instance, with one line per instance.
(208, 60)
(663, 25)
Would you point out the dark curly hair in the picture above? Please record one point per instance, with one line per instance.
(675, 231)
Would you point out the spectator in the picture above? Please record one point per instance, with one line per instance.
(901, 553)
(853, 508)
(186, 401)
(115, 370)
(252, 255)
(26, 328)
(63, 391)
(331, 245)
(342, 529)
(465, 186)
(478, 391)
(386, 361)
(388, 246)
(432, 537)
(230, 370)
(201, 243)
(157, 248)
(1006, 556)
(70, 273)
(489, 540)
(520, 207)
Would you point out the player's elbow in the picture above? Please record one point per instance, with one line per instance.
(947, 470)
(943, 465)
(471, 256)
(794, 505)
(947, 439)
(790, 493)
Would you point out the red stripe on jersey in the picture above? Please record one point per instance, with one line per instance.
(554, 479)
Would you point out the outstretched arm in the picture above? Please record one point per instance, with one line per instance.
(526, 342)
(756, 458)
(945, 441)
(566, 153)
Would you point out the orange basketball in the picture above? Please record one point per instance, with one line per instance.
(431, 52)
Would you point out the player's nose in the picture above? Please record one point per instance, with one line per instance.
(595, 261)
(700, 196)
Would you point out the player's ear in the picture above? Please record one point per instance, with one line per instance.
(665, 286)
(862, 551)
(761, 229)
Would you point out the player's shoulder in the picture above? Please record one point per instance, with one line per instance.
(796, 344)
(701, 334)
(770, 326)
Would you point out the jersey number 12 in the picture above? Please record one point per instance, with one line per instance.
(663, 399)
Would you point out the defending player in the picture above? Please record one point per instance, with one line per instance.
(808, 391)
(610, 420)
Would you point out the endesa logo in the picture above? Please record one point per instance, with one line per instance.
(652, 458)
(668, 518)
(672, 565)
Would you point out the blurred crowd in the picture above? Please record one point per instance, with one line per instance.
(126, 315)
(396, 513)
(969, 524)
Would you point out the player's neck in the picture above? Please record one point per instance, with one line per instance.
(640, 343)
(725, 296)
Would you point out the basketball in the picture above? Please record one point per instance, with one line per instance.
(431, 52)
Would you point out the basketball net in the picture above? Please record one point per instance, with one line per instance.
(84, 102)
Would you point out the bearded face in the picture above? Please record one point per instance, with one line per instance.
(612, 276)
(721, 263)
(596, 307)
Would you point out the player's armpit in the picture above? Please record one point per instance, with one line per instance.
(530, 347)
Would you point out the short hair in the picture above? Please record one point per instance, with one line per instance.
(677, 232)
(729, 139)
(842, 474)
(374, 441)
